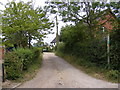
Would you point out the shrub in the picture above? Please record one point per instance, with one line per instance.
(115, 50)
(13, 65)
(61, 47)
(36, 52)
(113, 74)
(26, 55)
(18, 60)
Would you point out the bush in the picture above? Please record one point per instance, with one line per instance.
(18, 60)
(61, 47)
(113, 74)
(26, 55)
(115, 50)
(36, 52)
(13, 65)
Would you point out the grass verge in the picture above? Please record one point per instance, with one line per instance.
(88, 67)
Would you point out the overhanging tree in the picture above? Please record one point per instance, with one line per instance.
(87, 12)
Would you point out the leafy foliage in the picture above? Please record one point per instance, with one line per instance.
(90, 52)
(19, 60)
(26, 55)
(13, 66)
(114, 74)
(115, 50)
(86, 38)
(77, 42)
(22, 23)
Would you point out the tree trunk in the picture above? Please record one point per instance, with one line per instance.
(29, 40)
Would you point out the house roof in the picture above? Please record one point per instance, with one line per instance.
(106, 19)
(54, 40)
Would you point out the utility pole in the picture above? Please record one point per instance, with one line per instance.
(57, 38)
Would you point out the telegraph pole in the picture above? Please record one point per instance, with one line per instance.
(57, 38)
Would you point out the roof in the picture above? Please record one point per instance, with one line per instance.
(54, 40)
(106, 19)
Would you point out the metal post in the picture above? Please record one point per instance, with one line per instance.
(108, 49)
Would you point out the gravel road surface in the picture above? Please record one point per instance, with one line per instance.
(57, 73)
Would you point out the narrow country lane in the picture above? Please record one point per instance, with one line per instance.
(57, 73)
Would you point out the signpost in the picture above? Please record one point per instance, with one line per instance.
(108, 49)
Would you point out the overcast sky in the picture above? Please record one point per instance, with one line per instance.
(37, 3)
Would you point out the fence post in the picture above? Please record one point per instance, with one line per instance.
(3, 75)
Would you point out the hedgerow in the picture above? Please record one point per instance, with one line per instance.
(19, 60)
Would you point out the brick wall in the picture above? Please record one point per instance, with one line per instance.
(1, 53)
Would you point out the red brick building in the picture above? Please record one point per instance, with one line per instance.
(108, 20)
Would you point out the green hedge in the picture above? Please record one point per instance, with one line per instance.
(36, 52)
(13, 65)
(19, 60)
(25, 55)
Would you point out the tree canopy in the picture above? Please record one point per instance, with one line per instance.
(22, 23)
